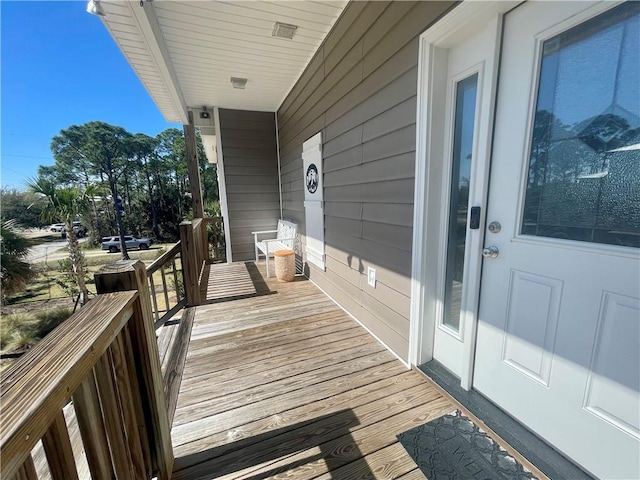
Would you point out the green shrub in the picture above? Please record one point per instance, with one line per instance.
(179, 286)
(20, 331)
(21, 341)
(67, 280)
(47, 320)
(8, 327)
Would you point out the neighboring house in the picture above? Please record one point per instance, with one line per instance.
(483, 158)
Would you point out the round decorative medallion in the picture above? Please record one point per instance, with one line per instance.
(312, 178)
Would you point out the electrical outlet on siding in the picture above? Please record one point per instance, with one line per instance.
(371, 277)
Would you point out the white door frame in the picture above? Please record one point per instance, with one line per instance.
(430, 217)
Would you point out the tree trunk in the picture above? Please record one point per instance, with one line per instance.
(76, 256)
(154, 211)
(123, 245)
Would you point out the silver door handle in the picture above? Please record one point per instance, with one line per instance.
(490, 252)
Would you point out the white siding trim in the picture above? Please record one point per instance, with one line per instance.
(275, 115)
(222, 187)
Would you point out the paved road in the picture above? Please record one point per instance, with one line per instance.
(47, 252)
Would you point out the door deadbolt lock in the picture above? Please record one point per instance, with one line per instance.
(490, 252)
(494, 227)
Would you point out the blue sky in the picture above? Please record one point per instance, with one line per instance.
(59, 67)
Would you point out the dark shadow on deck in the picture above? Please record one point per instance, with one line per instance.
(233, 281)
(283, 447)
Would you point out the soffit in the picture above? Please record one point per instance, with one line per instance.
(185, 52)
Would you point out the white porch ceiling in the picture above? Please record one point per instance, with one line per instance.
(185, 52)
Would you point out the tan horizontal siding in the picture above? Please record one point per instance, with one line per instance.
(360, 91)
(250, 156)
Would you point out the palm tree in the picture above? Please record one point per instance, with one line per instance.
(14, 271)
(65, 204)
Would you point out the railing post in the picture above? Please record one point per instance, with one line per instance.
(204, 231)
(190, 264)
(131, 275)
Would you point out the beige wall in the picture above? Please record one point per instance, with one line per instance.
(251, 176)
(360, 91)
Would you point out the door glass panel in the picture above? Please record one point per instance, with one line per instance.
(584, 164)
(466, 91)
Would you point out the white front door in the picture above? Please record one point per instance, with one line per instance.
(558, 342)
(467, 116)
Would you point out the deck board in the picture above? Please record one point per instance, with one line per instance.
(280, 382)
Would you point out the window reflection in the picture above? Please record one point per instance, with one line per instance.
(584, 165)
(466, 92)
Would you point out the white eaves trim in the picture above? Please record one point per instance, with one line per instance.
(150, 30)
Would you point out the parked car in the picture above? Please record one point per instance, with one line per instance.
(56, 227)
(79, 229)
(113, 243)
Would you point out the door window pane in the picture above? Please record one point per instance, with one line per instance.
(465, 113)
(584, 164)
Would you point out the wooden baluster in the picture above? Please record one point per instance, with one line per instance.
(113, 421)
(136, 392)
(175, 279)
(57, 447)
(127, 406)
(143, 340)
(152, 289)
(132, 275)
(216, 241)
(27, 471)
(92, 430)
(204, 232)
(165, 290)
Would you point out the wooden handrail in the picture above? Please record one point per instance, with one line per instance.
(164, 258)
(212, 219)
(168, 259)
(34, 389)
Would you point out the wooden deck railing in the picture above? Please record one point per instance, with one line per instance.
(201, 241)
(215, 238)
(194, 254)
(105, 359)
(196, 251)
(173, 296)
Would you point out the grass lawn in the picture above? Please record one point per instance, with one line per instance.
(45, 287)
(28, 315)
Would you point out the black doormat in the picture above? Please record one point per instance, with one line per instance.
(452, 447)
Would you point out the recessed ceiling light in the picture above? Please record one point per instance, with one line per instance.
(238, 82)
(284, 30)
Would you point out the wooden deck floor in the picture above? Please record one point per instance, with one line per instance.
(279, 382)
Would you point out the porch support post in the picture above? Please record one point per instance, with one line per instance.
(192, 167)
(127, 275)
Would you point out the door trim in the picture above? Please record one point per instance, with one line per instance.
(222, 186)
(465, 20)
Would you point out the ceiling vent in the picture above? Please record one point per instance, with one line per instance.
(238, 82)
(284, 30)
